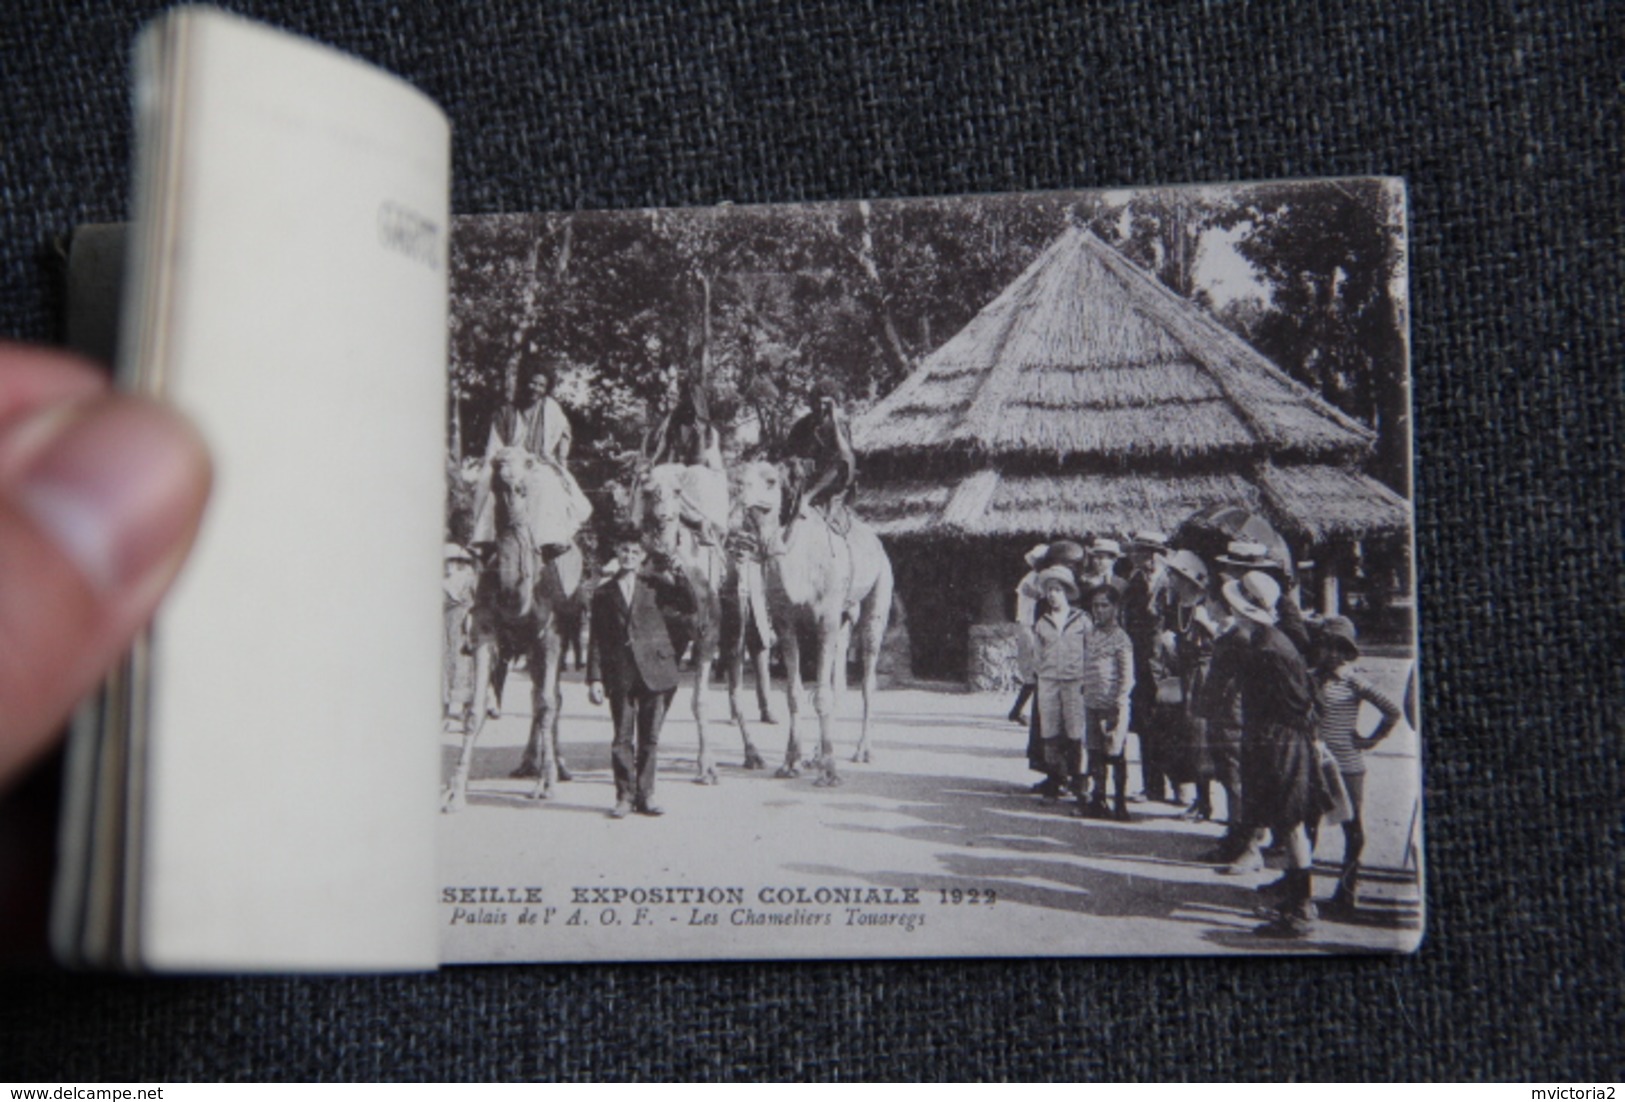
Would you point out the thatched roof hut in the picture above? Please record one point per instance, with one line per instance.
(1089, 398)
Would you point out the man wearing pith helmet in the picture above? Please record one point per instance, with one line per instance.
(1278, 754)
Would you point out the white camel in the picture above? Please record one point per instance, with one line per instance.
(820, 584)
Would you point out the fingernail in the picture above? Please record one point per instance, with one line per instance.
(116, 487)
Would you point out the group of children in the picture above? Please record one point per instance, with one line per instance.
(1079, 668)
(1261, 698)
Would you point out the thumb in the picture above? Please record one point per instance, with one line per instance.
(99, 502)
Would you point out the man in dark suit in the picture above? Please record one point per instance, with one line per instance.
(633, 662)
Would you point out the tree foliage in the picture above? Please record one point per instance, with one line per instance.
(761, 302)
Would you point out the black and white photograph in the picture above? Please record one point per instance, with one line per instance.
(1021, 575)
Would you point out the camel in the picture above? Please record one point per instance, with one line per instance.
(821, 583)
(685, 511)
(528, 601)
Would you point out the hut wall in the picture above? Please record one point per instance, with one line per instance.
(958, 598)
(991, 657)
(896, 659)
(940, 600)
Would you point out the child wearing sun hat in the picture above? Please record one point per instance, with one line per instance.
(1060, 655)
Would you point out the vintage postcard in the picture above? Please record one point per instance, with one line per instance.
(1020, 575)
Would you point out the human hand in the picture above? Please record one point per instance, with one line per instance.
(100, 496)
(595, 692)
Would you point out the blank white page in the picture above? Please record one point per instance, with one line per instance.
(291, 262)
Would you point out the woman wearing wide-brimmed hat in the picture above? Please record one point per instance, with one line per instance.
(1278, 761)
(1242, 556)
(1198, 621)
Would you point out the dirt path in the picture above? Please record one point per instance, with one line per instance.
(758, 866)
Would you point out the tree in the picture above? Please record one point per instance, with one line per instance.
(1162, 232)
(1333, 261)
(760, 303)
(1330, 262)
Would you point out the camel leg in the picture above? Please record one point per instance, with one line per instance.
(705, 770)
(872, 617)
(528, 767)
(455, 795)
(735, 664)
(499, 677)
(871, 660)
(553, 733)
(764, 705)
(829, 652)
(849, 632)
(545, 661)
(569, 628)
(843, 650)
(795, 693)
(764, 685)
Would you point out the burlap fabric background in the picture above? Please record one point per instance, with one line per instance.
(1505, 119)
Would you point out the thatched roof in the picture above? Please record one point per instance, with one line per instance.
(1310, 504)
(1145, 409)
(1324, 503)
(1084, 355)
(987, 503)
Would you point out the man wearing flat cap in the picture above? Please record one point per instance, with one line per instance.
(1101, 564)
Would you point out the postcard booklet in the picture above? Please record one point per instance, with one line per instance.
(1006, 575)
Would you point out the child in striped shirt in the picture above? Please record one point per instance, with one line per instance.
(1108, 682)
(1340, 691)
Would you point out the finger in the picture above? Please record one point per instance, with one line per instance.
(31, 377)
(99, 501)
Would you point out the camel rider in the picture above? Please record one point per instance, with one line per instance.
(822, 441)
(541, 427)
(763, 399)
(686, 435)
